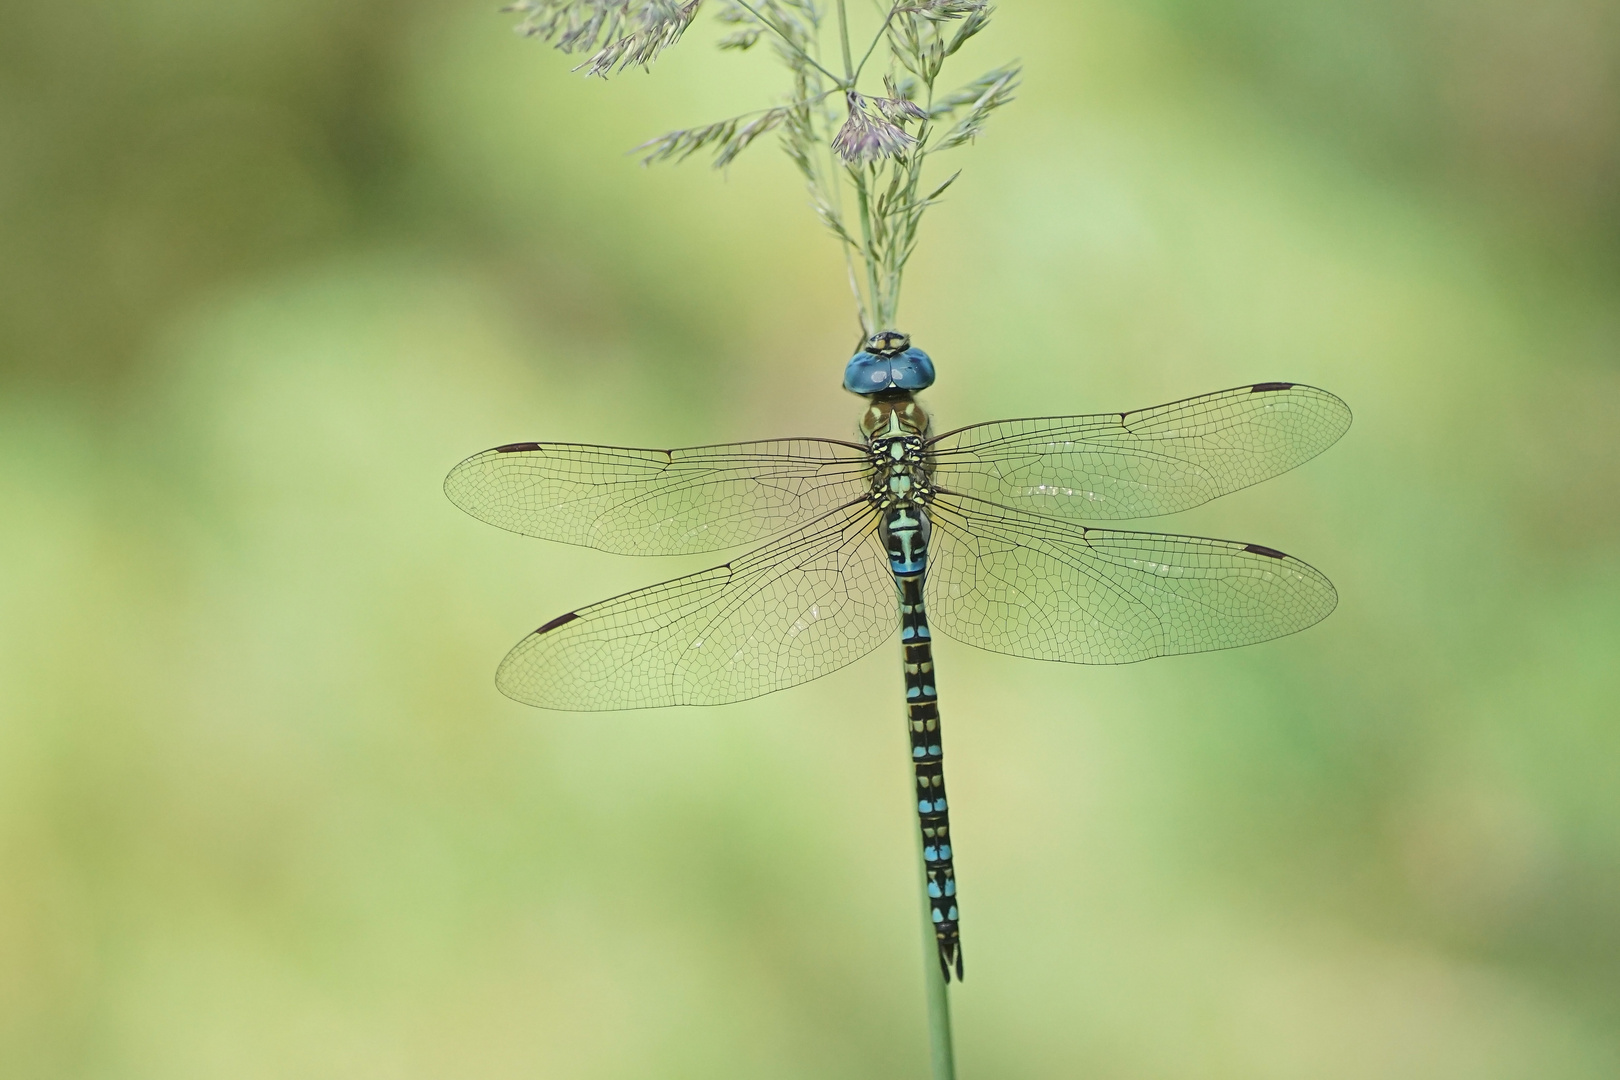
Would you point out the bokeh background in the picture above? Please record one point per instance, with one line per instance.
(268, 270)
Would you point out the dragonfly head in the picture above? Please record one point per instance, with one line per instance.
(888, 362)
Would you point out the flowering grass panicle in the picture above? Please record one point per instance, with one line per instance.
(862, 155)
(871, 134)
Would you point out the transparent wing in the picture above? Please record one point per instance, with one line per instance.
(781, 615)
(1017, 583)
(1144, 463)
(658, 502)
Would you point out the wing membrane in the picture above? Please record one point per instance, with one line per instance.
(801, 607)
(658, 502)
(1140, 464)
(1013, 582)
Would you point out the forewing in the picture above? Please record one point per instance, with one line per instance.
(778, 616)
(1144, 463)
(1013, 582)
(658, 502)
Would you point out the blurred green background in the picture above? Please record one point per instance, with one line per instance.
(269, 270)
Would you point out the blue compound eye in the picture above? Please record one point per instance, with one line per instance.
(872, 373)
(866, 374)
(912, 370)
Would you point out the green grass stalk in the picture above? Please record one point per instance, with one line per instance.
(941, 1050)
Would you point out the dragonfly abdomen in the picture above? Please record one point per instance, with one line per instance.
(906, 535)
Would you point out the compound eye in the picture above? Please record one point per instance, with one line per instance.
(913, 370)
(867, 374)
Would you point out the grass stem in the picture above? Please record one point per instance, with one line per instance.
(788, 40)
(843, 39)
(876, 38)
(881, 317)
(941, 1050)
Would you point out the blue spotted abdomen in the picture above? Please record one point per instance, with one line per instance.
(905, 535)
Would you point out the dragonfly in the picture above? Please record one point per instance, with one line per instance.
(983, 532)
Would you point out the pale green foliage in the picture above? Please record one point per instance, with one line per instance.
(850, 146)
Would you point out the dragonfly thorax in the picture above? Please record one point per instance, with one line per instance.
(893, 414)
(900, 475)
